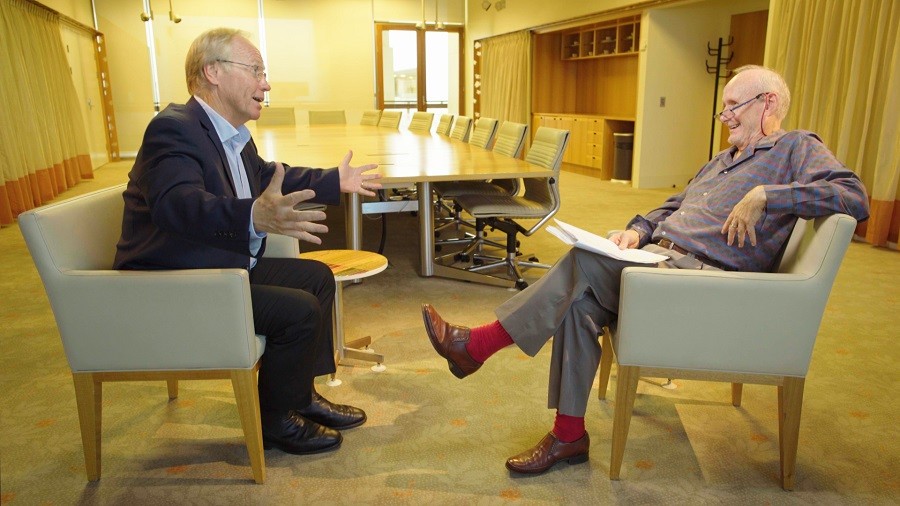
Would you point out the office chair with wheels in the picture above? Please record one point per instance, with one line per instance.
(327, 118)
(390, 119)
(510, 142)
(539, 202)
(445, 123)
(461, 128)
(421, 122)
(370, 118)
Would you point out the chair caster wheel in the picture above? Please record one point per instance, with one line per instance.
(521, 285)
(461, 258)
(478, 261)
(437, 248)
(533, 259)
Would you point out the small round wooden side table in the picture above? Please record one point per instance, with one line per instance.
(349, 265)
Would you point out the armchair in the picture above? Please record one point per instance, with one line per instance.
(702, 328)
(135, 325)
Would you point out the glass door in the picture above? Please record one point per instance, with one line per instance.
(418, 70)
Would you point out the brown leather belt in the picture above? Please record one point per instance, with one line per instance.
(667, 244)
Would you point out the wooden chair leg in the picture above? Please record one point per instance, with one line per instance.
(626, 391)
(89, 399)
(246, 396)
(790, 402)
(737, 391)
(606, 360)
(173, 389)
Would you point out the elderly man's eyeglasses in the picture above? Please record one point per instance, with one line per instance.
(727, 113)
(256, 69)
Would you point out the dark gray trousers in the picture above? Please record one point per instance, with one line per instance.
(572, 303)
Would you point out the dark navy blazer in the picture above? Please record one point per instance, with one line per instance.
(181, 209)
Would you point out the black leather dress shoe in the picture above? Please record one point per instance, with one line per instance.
(335, 416)
(297, 435)
(450, 342)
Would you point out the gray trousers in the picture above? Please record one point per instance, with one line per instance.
(572, 302)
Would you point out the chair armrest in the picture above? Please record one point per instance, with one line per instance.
(156, 320)
(740, 322)
(281, 246)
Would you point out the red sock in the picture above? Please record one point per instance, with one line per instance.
(486, 340)
(568, 428)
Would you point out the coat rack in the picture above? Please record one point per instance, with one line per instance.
(721, 73)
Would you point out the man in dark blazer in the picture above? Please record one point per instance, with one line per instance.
(199, 196)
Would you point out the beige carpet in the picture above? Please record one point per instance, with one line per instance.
(434, 439)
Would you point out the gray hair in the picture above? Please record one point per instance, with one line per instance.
(769, 81)
(210, 46)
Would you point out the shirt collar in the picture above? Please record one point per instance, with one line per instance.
(225, 130)
(764, 143)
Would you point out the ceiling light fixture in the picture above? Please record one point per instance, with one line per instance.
(500, 5)
(438, 25)
(172, 16)
(486, 4)
(421, 25)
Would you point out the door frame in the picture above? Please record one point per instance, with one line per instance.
(421, 103)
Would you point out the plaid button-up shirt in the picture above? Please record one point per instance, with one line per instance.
(801, 177)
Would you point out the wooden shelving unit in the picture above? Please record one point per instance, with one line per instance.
(601, 40)
(591, 90)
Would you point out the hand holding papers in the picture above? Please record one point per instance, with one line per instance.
(585, 240)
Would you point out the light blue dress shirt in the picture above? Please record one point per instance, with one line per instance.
(233, 140)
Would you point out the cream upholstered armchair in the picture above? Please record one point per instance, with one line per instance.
(739, 327)
(135, 325)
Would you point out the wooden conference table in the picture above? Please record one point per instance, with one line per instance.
(405, 158)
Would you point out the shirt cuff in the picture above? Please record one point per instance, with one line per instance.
(255, 238)
(779, 199)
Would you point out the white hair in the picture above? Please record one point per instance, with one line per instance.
(766, 80)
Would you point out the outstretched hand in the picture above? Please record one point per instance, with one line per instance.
(275, 213)
(741, 222)
(355, 179)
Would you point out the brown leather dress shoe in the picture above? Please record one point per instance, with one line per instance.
(548, 452)
(450, 342)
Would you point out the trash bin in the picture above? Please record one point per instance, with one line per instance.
(622, 157)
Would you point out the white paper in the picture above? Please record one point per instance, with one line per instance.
(583, 239)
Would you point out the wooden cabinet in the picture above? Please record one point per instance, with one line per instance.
(591, 141)
(585, 80)
(610, 38)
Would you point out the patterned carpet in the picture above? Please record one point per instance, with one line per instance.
(433, 439)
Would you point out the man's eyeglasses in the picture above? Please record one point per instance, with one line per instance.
(257, 70)
(726, 113)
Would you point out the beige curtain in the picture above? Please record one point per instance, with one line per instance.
(506, 65)
(43, 147)
(842, 62)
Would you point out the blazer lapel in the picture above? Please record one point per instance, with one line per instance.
(207, 125)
